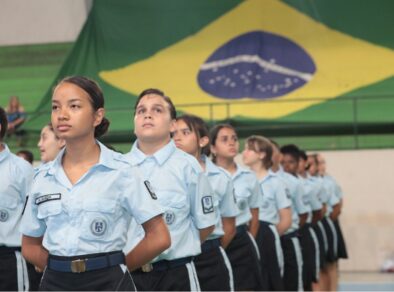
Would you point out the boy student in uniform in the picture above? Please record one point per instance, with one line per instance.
(293, 261)
(309, 237)
(274, 213)
(242, 250)
(177, 183)
(15, 178)
(80, 205)
(49, 144)
(334, 215)
(213, 266)
(290, 162)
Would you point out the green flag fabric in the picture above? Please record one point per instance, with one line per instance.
(251, 62)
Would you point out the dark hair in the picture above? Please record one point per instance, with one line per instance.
(96, 98)
(28, 154)
(159, 93)
(261, 144)
(303, 155)
(292, 150)
(3, 122)
(213, 133)
(198, 126)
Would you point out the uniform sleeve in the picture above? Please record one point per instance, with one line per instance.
(201, 201)
(301, 199)
(227, 205)
(313, 196)
(139, 198)
(282, 199)
(256, 198)
(31, 225)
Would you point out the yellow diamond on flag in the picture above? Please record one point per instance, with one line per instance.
(258, 51)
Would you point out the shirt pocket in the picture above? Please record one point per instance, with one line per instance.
(176, 209)
(49, 209)
(99, 218)
(8, 207)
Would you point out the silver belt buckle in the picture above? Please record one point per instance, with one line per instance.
(147, 268)
(78, 266)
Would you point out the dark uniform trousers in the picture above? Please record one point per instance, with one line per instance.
(15, 273)
(271, 274)
(212, 271)
(244, 262)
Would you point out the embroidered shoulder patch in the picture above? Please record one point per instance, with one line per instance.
(207, 204)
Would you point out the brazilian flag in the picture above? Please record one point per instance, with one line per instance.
(251, 62)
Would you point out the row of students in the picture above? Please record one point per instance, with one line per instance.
(92, 194)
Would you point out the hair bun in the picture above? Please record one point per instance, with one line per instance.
(101, 129)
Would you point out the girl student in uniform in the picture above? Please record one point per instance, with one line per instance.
(213, 267)
(309, 237)
(242, 250)
(15, 178)
(49, 144)
(275, 211)
(180, 186)
(80, 205)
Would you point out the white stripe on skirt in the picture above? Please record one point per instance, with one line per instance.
(334, 235)
(191, 270)
(317, 252)
(254, 244)
(297, 248)
(229, 268)
(278, 248)
(323, 231)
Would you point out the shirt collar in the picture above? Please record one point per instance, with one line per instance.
(5, 153)
(137, 156)
(106, 159)
(210, 167)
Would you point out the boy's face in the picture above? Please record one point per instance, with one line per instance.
(289, 164)
(152, 119)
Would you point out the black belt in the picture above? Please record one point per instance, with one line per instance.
(265, 223)
(87, 263)
(209, 245)
(290, 235)
(9, 249)
(242, 228)
(163, 265)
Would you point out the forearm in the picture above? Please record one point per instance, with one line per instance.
(229, 231)
(157, 239)
(254, 222)
(205, 232)
(284, 220)
(34, 252)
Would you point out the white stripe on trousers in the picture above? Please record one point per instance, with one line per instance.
(298, 253)
(317, 252)
(254, 244)
(278, 247)
(22, 274)
(229, 268)
(334, 235)
(191, 270)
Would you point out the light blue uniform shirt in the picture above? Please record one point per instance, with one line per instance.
(313, 196)
(15, 178)
(91, 216)
(274, 198)
(247, 194)
(224, 200)
(299, 199)
(322, 192)
(332, 190)
(183, 191)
